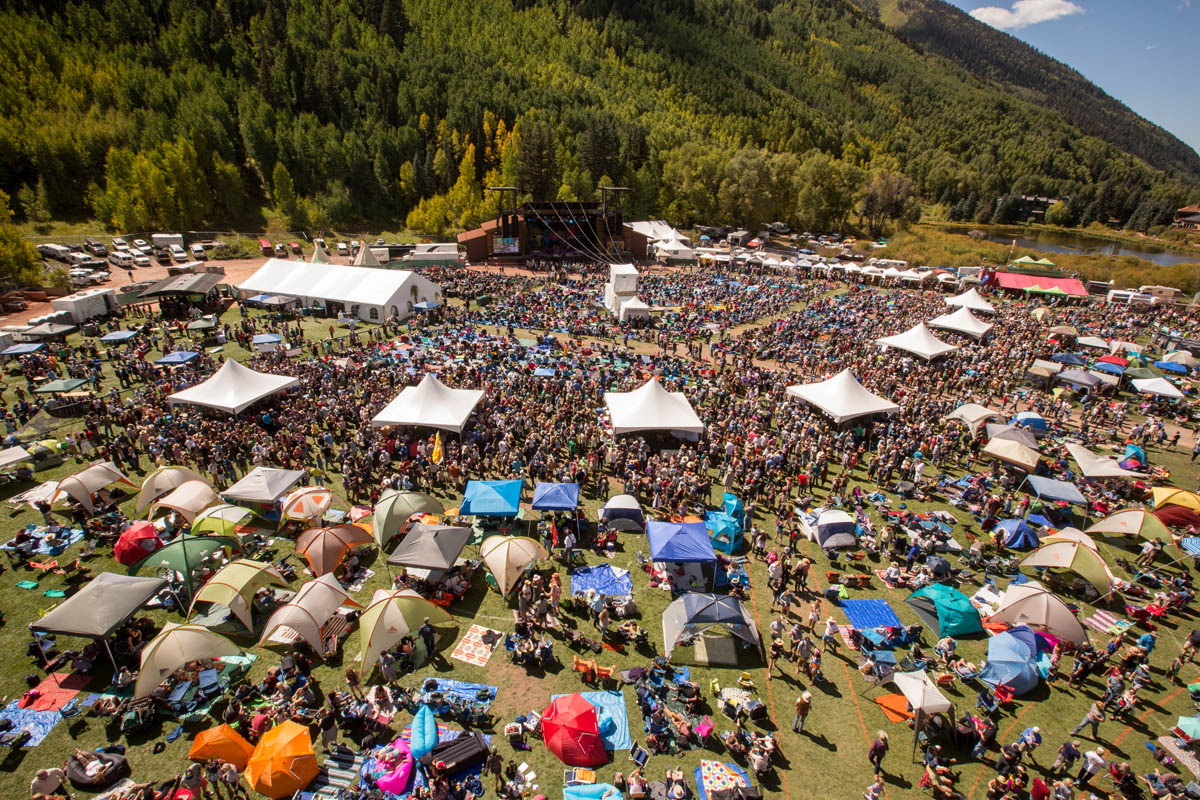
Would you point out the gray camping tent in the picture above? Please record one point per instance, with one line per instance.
(695, 612)
(430, 546)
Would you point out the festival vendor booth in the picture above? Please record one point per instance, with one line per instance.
(622, 512)
(971, 300)
(945, 611)
(394, 509)
(81, 486)
(1012, 660)
(973, 415)
(430, 404)
(1092, 465)
(652, 408)
(918, 341)
(677, 552)
(233, 388)
(842, 397)
(99, 609)
(174, 646)
(235, 586)
(962, 321)
(283, 761)
(508, 558)
(187, 499)
(1035, 606)
(162, 481)
(713, 624)
(392, 615)
(308, 615)
(324, 548)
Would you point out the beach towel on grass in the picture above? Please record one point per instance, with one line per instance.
(472, 649)
(867, 614)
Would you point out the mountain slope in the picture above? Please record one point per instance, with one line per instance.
(1011, 64)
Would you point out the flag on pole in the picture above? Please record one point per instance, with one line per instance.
(437, 449)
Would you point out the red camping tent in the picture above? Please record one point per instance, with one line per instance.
(136, 542)
(572, 732)
(1177, 517)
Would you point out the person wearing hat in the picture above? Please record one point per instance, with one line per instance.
(1031, 739)
(878, 750)
(1093, 763)
(429, 637)
(803, 706)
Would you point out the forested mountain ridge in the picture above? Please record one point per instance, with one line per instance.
(184, 113)
(1011, 64)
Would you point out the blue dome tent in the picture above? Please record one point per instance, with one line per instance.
(1012, 660)
(724, 531)
(1018, 534)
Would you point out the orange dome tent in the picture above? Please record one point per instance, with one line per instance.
(221, 742)
(283, 763)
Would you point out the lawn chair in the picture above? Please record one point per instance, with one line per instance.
(71, 709)
(638, 754)
(533, 724)
(177, 699)
(603, 674)
(579, 777)
(210, 683)
(1004, 694)
(587, 669)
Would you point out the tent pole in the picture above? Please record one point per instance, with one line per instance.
(111, 658)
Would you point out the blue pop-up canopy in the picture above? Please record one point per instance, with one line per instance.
(555, 496)
(22, 349)
(682, 542)
(1111, 369)
(544, 372)
(1068, 358)
(1012, 660)
(491, 499)
(1050, 489)
(181, 357)
(118, 336)
(1028, 419)
(1018, 534)
(267, 338)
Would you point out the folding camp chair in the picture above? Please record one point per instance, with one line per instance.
(587, 669)
(1004, 694)
(638, 754)
(578, 776)
(210, 684)
(176, 700)
(71, 709)
(603, 674)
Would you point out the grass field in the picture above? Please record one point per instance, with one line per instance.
(828, 761)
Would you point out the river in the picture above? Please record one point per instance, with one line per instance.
(1077, 244)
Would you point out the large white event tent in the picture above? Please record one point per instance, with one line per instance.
(651, 408)
(430, 404)
(919, 341)
(234, 388)
(972, 300)
(366, 293)
(1097, 466)
(1159, 387)
(962, 321)
(842, 397)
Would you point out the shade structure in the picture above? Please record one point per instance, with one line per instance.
(696, 612)
(430, 546)
(1159, 387)
(1018, 534)
(83, 484)
(962, 321)
(306, 503)
(283, 762)
(1055, 490)
(22, 349)
(184, 554)
(392, 615)
(324, 548)
(222, 743)
(1064, 330)
(309, 610)
(393, 510)
(724, 531)
(1117, 346)
(1012, 660)
(622, 506)
(1105, 368)
(136, 542)
(263, 485)
(430, 404)
(681, 542)
(509, 556)
(836, 529)
(266, 338)
(1069, 534)
(234, 388)
(1078, 377)
(13, 455)
(1034, 605)
(971, 299)
(63, 385)
(235, 584)
(1012, 432)
(1014, 453)
(100, 608)
(1073, 557)
(1068, 358)
(555, 497)
(1133, 522)
(1097, 466)
(176, 358)
(571, 731)
(118, 336)
(1173, 367)
(946, 611)
(918, 341)
(491, 499)
(1092, 341)
(973, 415)
(920, 692)
(175, 646)
(161, 481)
(1173, 496)
(651, 408)
(1177, 517)
(188, 498)
(842, 397)
(222, 519)
(1183, 357)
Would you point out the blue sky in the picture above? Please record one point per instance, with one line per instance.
(1142, 52)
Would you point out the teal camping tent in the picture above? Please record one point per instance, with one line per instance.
(946, 611)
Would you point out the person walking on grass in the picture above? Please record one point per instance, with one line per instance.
(879, 749)
(1094, 717)
(803, 706)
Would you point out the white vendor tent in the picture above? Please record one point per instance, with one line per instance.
(842, 397)
(971, 299)
(651, 408)
(973, 415)
(1096, 466)
(366, 293)
(634, 307)
(919, 341)
(1159, 387)
(264, 485)
(962, 321)
(234, 388)
(430, 404)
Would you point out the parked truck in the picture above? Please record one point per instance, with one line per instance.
(166, 240)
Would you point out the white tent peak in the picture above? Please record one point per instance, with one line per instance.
(971, 299)
(842, 397)
(919, 341)
(365, 257)
(233, 388)
(320, 255)
(650, 407)
(431, 404)
(962, 321)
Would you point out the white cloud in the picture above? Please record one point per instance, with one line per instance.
(1151, 47)
(1026, 12)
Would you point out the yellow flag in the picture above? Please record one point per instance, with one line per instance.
(437, 448)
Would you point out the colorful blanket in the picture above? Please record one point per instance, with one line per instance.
(56, 691)
(1106, 622)
(38, 723)
(472, 649)
(867, 614)
(713, 776)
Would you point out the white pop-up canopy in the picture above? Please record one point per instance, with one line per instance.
(234, 388)
(264, 485)
(920, 692)
(1159, 387)
(430, 404)
(973, 415)
(972, 300)
(842, 397)
(919, 341)
(651, 408)
(962, 321)
(1096, 466)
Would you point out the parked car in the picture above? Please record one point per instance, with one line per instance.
(295, 248)
(95, 247)
(342, 249)
(140, 260)
(162, 255)
(178, 253)
(354, 246)
(281, 250)
(265, 246)
(198, 253)
(141, 244)
(119, 244)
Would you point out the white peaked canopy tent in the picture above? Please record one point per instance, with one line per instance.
(188, 498)
(1092, 341)
(83, 484)
(1159, 387)
(920, 692)
(309, 610)
(973, 415)
(320, 255)
(365, 258)
(842, 397)
(919, 341)
(264, 485)
(234, 388)
(430, 404)
(634, 307)
(972, 300)
(962, 321)
(1032, 604)
(1095, 466)
(651, 408)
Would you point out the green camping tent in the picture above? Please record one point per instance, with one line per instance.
(946, 611)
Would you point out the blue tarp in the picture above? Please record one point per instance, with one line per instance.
(1111, 369)
(605, 579)
(38, 723)
(267, 338)
(609, 706)
(555, 496)
(1012, 660)
(866, 614)
(1018, 534)
(181, 357)
(684, 542)
(118, 336)
(491, 499)
(22, 349)
(724, 531)
(1050, 489)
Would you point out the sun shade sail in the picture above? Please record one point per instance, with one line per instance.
(101, 607)
(1097, 466)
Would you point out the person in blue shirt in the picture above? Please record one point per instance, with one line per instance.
(1147, 641)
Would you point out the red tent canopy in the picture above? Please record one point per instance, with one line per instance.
(572, 732)
(1018, 280)
(136, 542)
(1177, 517)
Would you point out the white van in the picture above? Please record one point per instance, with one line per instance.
(198, 252)
(121, 258)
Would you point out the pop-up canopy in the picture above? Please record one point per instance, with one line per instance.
(100, 608)
(1012, 452)
(971, 299)
(920, 692)
(842, 397)
(430, 404)
(263, 485)
(491, 499)
(234, 388)
(973, 415)
(695, 612)
(651, 408)
(1160, 387)
(555, 497)
(679, 542)
(962, 321)
(919, 341)
(1096, 466)
(1051, 489)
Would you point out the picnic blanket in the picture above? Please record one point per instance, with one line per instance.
(610, 705)
(57, 690)
(371, 768)
(713, 776)
(38, 723)
(895, 707)
(472, 649)
(605, 579)
(1106, 622)
(986, 600)
(1182, 757)
(361, 582)
(460, 689)
(867, 614)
